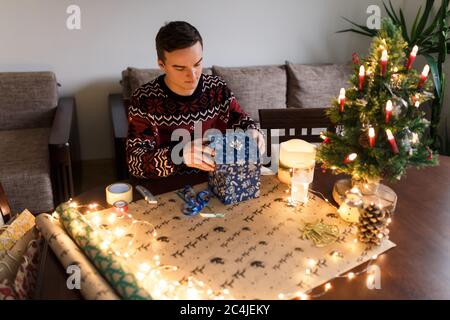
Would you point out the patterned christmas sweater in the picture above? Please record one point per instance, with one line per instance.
(155, 112)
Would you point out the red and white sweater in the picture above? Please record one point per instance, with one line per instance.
(155, 112)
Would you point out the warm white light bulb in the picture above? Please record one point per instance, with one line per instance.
(362, 71)
(389, 134)
(425, 71)
(389, 105)
(371, 132)
(352, 156)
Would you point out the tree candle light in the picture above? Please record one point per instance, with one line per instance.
(351, 157)
(412, 57)
(424, 76)
(362, 73)
(388, 110)
(392, 142)
(372, 137)
(324, 138)
(383, 62)
(341, 100)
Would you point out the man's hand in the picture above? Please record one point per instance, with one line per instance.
(259, 138)
(197, 155)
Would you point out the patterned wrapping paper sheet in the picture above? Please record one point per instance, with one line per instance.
(93, 285)
(256, 252)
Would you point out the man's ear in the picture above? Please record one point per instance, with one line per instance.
(161, 65)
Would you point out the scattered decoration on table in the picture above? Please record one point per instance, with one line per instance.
(373, 223)
(350, 208)
(194, 203)
(320, 233)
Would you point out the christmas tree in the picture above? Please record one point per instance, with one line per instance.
(380, 126)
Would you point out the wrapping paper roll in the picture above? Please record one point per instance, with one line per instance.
(115, 269)
(93, 285)
(119, 191)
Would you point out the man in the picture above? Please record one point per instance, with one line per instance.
(180, 99)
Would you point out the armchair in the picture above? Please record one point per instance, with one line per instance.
(38, 141)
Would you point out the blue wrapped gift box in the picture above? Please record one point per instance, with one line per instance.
(236, 177)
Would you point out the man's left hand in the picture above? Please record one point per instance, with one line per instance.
(259, 138)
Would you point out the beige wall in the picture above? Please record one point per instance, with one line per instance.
(115, 34)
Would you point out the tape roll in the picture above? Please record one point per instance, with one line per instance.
(119, 191)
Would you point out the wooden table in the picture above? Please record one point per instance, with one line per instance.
(418, 268)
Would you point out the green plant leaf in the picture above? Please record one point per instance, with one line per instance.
(435, 72)
(403, 26)
(394, 15)
(362, 27)
(424, 19)
(355, 31)
(413, 29)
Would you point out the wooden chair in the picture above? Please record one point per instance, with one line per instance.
(297, 124)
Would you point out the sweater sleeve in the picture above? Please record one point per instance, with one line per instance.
(146, 157)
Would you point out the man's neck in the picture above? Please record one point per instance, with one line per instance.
(177, 89)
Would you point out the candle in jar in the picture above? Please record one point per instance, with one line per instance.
(392, 142)
(296, 153)
(299, 186)
(362, 74)
(383, 62)
(412, 57)
(424, 76)
(388, 110)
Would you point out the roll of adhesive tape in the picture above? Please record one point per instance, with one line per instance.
(119, 191)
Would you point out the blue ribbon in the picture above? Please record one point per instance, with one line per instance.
(194, 203)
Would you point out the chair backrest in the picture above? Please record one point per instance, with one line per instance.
(27, 99)
(305, 124)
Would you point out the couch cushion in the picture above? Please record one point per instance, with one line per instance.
(133, 78)
(256, 87)
(25, 169)
(27, 99)
(314, 86)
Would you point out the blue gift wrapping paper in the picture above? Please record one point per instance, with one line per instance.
(236, 177)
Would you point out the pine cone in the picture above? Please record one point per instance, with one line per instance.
(372, 227)
(364, 140)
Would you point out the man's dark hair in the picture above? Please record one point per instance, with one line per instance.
(176, 35)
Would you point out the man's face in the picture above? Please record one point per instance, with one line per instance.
(183, 68)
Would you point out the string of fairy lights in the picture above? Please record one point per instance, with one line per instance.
(109, 233)
(320, 291)
(111, 229)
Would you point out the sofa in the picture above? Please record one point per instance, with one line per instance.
(255, 87)
(38, 141)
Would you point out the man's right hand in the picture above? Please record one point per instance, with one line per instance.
(197, 155)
